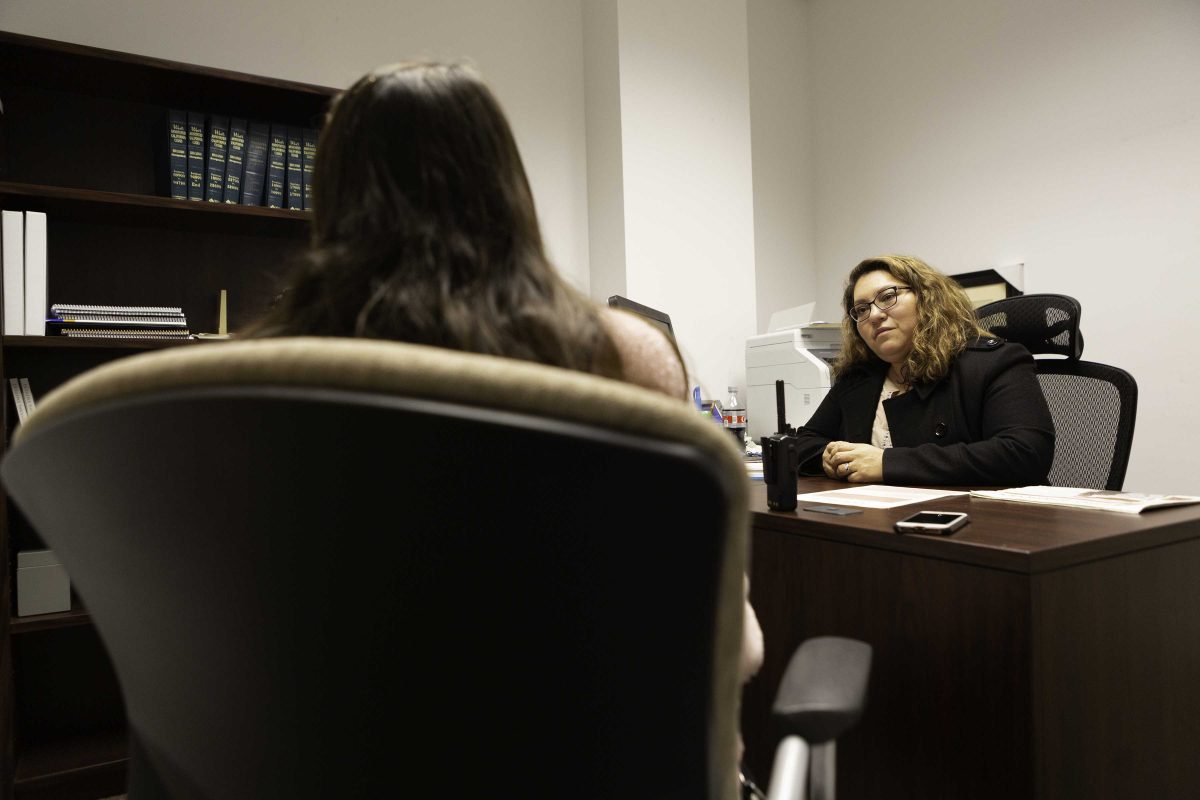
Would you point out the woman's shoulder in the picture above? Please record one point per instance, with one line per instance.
(991, 352)
(648, 357)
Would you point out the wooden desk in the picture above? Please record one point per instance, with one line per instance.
(1037, 653)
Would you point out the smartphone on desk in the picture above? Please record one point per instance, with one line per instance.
(932, 522)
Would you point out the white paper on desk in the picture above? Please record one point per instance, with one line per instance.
(875, 496)
(1098, 499)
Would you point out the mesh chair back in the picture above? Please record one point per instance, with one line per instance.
(401, 573)
(1093, 405)
(1044, 323)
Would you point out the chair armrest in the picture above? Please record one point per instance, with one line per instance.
(824, 689)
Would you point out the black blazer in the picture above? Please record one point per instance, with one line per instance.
(984, 424)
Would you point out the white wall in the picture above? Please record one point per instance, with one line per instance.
(781, 125)
(1062, 134)
(676, 74)
(688, 185)
(529, 50)
(1065, 135)
(606, 173)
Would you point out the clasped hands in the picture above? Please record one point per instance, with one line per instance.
(856, 463)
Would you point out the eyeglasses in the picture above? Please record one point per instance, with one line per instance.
(885, 299)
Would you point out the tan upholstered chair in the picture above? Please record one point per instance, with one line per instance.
(350, 568)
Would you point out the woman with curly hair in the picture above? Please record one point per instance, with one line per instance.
(924, 395)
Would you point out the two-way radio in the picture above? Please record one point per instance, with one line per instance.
(781, 459)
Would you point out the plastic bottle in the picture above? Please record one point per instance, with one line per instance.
(735, 417)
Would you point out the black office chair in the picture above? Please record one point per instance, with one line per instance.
(348, 568)
(1093, 405)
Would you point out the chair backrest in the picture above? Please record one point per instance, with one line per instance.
(331, 568)
(1094, 406)
(1044, 323)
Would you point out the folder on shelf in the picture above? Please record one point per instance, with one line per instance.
(27, 392)
(12, 251)
(18, 399)
(35, 273)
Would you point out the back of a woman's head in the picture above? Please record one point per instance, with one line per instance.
(416, 152)
(425, 229)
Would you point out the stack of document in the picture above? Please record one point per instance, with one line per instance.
(1097, 499)
(876, 495)
(117, 322)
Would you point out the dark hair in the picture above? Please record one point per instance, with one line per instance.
(425, 231)
(945, 320)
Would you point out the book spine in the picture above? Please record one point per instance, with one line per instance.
(27, 392)
(195, 155)
(124, 333)
(177, 135)
(18, 399)
(118, 319)
(234, 160)
(276, 160)
(310, 161)
(255, 171)
(295, 170)
(75, 308)
(12, 250)
(218, 144)
(62, 313)
(35, 273)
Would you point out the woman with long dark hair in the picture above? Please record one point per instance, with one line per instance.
(424, 230)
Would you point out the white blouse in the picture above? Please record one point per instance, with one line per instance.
(881, 436)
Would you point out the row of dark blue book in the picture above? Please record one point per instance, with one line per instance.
(229, 160)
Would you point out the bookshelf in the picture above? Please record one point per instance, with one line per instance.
(82, 138)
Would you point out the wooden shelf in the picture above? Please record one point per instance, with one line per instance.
(91, 765)
(120, 208)
(113, 238)
(68, 67)
(68, 343)
(48, 622)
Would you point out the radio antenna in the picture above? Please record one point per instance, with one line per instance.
(780, 408)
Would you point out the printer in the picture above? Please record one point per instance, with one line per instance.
(800, 353)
